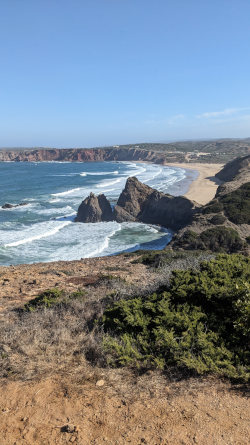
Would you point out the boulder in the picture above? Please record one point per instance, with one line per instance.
(94, 209)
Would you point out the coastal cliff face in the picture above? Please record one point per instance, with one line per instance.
(234, 174)
(81, 155)
(139, 202)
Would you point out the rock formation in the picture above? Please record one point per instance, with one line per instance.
(94, 209)
(10, 206)
(139, 202)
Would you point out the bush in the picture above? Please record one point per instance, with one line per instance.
(217, 219)
(217, 239)
(222, 239)
(200, 323)
(47, 299)
(52, 297)
(236, 205)
(213, 207)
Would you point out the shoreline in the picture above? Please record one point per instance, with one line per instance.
(204, 187)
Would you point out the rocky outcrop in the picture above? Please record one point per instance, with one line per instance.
(10, 206)
(94, 209)
(132, 200)
(139, 202)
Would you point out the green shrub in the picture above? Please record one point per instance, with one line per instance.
(46, 299)
(217, 219)
(217, 239)
(213, 207)
(222, 239)
(51, 297)
(200, 323)
(236, 205)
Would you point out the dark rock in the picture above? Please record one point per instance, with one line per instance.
(10, 206)
(139, 202)
(134, 196)
(94, 209)
(68, 428)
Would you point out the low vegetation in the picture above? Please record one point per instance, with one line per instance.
(217, 239)
(235, 205)
(200, 323)
(194, 320)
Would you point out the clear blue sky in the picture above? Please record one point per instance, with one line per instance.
(98, 72)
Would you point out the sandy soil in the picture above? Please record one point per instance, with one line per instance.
(20, 283)
(120, 410)
(203, 189)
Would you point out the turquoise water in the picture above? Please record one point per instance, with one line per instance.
(44, 230)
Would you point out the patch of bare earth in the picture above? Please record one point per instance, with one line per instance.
(18, 284)
(116, 408)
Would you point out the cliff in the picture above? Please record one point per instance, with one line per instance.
(234, 174)
(81, 155)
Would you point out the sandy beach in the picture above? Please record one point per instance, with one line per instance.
(202, 189)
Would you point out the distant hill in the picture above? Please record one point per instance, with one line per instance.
(208, 151)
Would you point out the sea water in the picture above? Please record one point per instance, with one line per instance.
(44, 229)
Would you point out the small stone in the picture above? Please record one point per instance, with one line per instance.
(23, 419)
(100, 383)
(68, 428)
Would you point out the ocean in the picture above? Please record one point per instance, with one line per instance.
(44, 229)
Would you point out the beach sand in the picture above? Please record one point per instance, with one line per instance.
(202, 189)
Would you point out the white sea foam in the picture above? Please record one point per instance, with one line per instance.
(68, 192)
(105, 243)
(116, 172)
(54, 210)
(46, 234)
(51, 201)
(108, 183)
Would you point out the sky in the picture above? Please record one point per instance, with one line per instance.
(83, 73)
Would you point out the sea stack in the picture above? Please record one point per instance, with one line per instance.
(94, 209)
